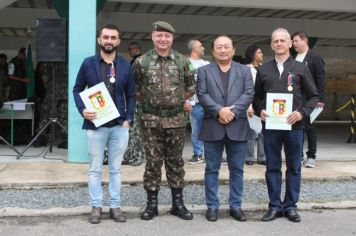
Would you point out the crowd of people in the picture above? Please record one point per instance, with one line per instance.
(156, 90)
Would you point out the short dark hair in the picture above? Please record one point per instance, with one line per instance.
(108, 26)
(301, 34)
(22, 50)
(223, 35)
(3, 56)
(136, 44)
(250, 53)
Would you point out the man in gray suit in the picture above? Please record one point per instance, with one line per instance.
(225, 90)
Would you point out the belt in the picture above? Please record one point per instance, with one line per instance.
(162, 112)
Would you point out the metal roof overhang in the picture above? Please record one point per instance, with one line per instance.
(333, 22)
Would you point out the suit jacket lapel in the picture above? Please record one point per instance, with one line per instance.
(306, 56)
(233, 76)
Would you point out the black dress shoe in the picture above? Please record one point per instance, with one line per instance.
(271, 215)
(211, 214)
(250, 163)
(238, 214)
(292, 215)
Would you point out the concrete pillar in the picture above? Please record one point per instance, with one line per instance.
(82, 30)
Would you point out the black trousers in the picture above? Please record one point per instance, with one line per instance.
(310, 132)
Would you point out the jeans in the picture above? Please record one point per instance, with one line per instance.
(250, 154)
(293, 147)
(213, 151)
(196, 117)
(116, 139)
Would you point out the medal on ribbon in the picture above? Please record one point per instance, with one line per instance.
(112, 73)
(290, 82)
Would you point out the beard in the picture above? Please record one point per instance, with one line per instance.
(108, 48)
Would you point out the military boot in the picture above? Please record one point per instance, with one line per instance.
(152, 206)
(178, 208)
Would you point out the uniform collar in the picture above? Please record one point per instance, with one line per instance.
(170, 55)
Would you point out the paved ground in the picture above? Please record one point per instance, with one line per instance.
(315, 222)
(336, 161)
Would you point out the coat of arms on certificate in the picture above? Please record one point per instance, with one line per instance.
(278, 107)
(97, 98)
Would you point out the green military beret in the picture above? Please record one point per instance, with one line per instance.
(163, 26)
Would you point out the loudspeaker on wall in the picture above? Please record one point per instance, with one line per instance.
(51, 40)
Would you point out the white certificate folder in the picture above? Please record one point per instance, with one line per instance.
(278, 107)
(98, 99)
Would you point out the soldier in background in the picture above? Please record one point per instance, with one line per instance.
(60, 99)
(2, 93)
(134, 49)
(3, 78)
(17, 76)
(135, 151)
(164, 81)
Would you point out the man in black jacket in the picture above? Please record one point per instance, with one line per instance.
(316, 66)
(284, 75)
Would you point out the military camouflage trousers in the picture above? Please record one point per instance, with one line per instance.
(135, 152)
(164, 145)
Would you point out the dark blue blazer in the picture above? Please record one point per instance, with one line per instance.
(125, 97)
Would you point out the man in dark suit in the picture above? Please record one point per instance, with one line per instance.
(115, 72)
(316, 66)
(225, 90)
(284, 75)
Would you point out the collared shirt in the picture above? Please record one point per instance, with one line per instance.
(280, 66)
(300, 57)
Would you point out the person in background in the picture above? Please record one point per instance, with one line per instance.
(253, 59)
(316, 66)
(40, 90)
(17, 76)
(135, 152)
(134, 49)
(4, 77)
(192, 105)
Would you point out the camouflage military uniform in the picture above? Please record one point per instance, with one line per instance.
(60, 95)
(2, 92)
(3, 83)
(163, 84)
(135, 152)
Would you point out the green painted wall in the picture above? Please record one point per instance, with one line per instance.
(82, 31)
